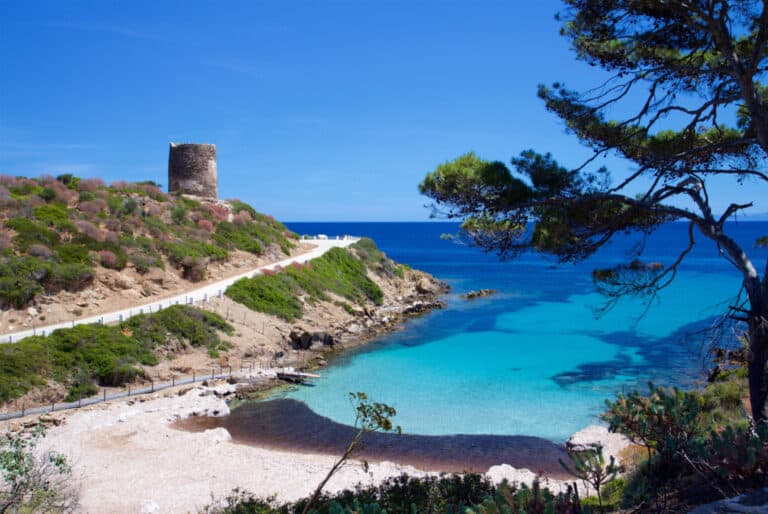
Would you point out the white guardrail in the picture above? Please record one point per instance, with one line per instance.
(215, 289)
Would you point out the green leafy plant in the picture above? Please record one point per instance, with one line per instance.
(590, 467)
(34, 482)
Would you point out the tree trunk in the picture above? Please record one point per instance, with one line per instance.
(757, 365)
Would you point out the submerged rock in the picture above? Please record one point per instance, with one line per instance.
(478, 294)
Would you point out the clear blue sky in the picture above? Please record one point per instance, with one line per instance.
(319, 110)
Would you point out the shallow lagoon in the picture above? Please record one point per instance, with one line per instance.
(533, 359)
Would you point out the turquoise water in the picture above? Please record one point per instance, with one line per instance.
(533, 359)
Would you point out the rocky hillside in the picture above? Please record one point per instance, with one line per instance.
(63, 236)
(71, 247)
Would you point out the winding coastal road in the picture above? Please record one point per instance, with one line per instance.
(203, 293)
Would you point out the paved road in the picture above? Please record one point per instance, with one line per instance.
(201, 294)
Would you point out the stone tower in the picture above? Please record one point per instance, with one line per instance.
(192, 170)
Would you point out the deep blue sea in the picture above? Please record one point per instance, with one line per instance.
(534, 359)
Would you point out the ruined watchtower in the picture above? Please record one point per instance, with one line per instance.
(192, 169)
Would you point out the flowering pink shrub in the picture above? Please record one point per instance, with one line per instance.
(90, 184)
(107, 259)
(219, 212)
(267, 272)
(93, 206)
(64, 194)
(205, 225)
(111, 237)
(47, 179)
(7, 180)
(89, 229)
(38, 250)
(32, 202)
(156, 232)
(120, 185)
(5, 240)
(153, 209)
(242, 218)
(4, 193)
(151, 190)
(112, 224)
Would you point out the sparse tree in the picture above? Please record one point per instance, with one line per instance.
(590, 467)
(697, 66)
(369, 417)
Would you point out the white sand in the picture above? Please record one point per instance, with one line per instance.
(128, 459)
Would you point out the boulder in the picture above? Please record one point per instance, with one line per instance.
(751, 502)
(593, 436)
(303, 340)
(300, 339)
(425, 286)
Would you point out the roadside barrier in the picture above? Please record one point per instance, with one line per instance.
(249, 370)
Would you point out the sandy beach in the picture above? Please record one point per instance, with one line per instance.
(127, 457)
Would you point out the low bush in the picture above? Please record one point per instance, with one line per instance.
(460, 494)
(29, 232)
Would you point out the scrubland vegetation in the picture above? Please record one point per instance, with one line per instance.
(85, 356)
(55, 231)
(338, 271)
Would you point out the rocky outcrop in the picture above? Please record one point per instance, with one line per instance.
(748, 503)
(301, 339)
(418, 308)
(595, 436)
(478, 294)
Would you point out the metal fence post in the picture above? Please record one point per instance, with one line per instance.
(193, 376)
(152, 390)
(53, 406)
(173, 380)
(23, 408)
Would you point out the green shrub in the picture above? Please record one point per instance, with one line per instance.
(47, 194)
(270, 294)
(68, 276)
(195, 326)
(337, 271)
(129, 206)
(29, 232)
(80, 391)
(68, 180)
(21, 279)
(238, 206)
(52, 215)
(69, 253)
(241, 237)
(179, 214)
